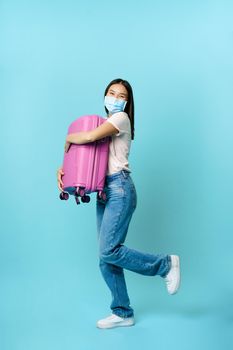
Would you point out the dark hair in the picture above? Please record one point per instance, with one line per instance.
(129, 108)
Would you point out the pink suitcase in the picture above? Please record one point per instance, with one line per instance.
(85, 165)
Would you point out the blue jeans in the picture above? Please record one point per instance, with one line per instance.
(113, 218)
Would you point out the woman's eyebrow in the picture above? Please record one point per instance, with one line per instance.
(121, 93)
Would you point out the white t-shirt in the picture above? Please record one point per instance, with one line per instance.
(120, 143)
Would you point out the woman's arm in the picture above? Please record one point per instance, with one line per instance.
(60, 173)
(104, 130)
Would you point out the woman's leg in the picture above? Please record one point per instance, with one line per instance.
(114, 255)
(115, 222)
(114, 277)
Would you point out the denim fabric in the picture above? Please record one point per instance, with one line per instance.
(113, 218)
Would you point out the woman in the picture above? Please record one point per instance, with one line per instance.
(114, 215)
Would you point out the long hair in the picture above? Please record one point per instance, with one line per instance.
(129, 108)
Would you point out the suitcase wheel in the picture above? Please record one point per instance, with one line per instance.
(102, 196)
(85, 199)
(64, 196)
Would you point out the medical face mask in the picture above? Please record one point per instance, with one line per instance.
(114, 105)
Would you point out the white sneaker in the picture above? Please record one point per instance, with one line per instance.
(115, 321)
(173, 277)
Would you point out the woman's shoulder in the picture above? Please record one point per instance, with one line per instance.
(121, 121)
(119, 115)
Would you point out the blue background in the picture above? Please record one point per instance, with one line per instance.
(56, 59)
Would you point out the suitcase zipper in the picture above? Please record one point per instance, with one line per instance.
(94, 170)
(93, 173)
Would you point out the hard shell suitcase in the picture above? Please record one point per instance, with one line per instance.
(85, 165)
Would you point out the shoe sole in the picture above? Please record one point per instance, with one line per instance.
(177, 264)
(114, 325)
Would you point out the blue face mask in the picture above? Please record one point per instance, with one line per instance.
(114, 105)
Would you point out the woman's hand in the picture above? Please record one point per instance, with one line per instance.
(60, 184)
